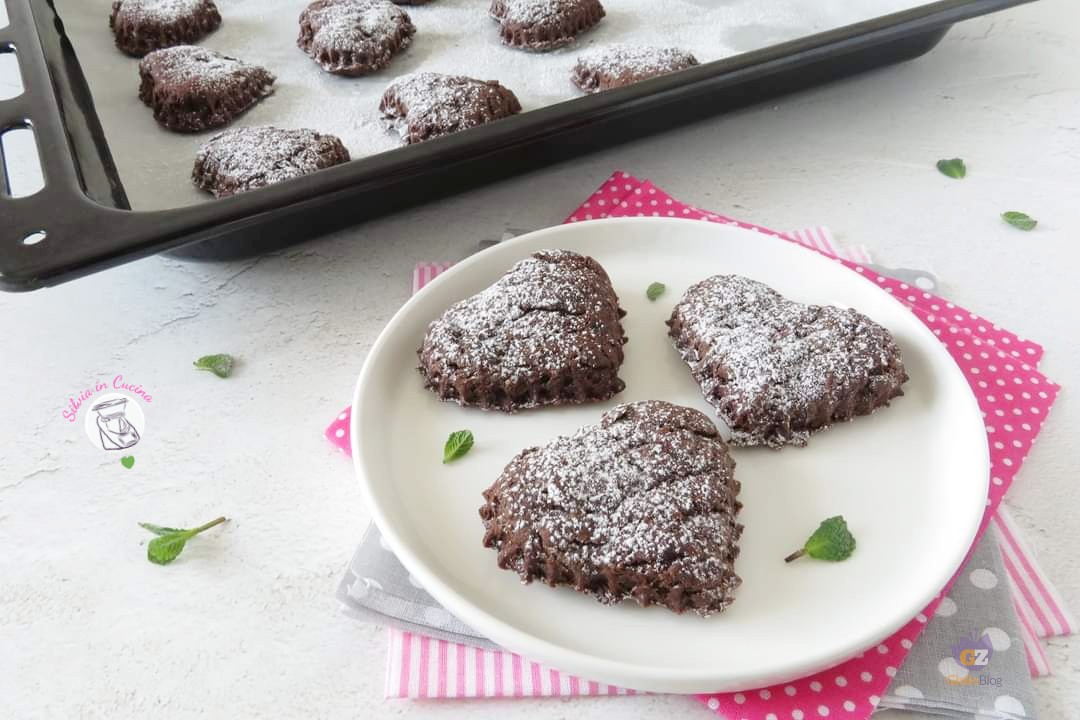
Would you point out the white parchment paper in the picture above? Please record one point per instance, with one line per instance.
(453, 36)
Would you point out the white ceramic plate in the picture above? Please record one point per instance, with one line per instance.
(911, 480)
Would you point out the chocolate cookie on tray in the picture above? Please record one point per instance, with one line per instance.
(354, 37)
(426, 105)
(244, 159)
(541, 25)
(642, 506)
(615, 66)
(777, 370)
(547, 333)
(142, 26)
(192, 88)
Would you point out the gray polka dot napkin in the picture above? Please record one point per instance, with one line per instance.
(378, 589)
(968, 663)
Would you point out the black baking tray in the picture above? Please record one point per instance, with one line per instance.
(89, 226)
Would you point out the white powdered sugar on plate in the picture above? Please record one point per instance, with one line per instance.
(454, 37)
(522, 322)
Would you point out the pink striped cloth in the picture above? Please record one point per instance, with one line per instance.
(1014, 398)
(423, 667)
(820, 239)
(1039, 606)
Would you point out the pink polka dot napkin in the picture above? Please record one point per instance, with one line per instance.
(1014, 397)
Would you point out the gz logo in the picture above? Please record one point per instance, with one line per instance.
(973, 655)
(973, 652)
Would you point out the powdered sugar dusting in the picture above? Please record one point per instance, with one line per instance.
(163, 11)
(641, 506)
(775, 369)
(639, 60)
(524, 320)
(426, 104)
(533, 12)
(242, 159)
(343, 25)
(553, 315)
(198, 68)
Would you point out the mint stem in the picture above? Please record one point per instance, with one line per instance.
(207, 526)
(795, 555)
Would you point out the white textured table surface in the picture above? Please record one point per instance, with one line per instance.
(246, 625)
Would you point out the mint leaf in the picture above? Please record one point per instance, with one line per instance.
(1019, 220)
(221, 364)
(457, 444)
(831, 541)
(170, 542)
(163, 550)
(158, 530)
(953, 168)
(655, 290)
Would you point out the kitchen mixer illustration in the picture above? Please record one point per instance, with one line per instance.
(115, 429)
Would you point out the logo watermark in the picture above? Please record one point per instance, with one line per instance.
(972, 654)
(75, 402)
(115, 422)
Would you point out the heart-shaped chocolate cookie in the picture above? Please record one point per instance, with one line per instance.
(354, 37)
(427, 105)
(191, 88)
(541, 25)
(641, 506)
(250, 158)
(142, 26)
(547, 333)
(615, 66)
(777, 370)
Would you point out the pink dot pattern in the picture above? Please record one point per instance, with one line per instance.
(1015, 400)
(1001, 367)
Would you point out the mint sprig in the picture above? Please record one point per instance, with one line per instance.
(1020, 220)
(170, 542)
(457, 444)
(220, 364)
(159, 530)
(655, 290)
(831, 541)
(953, 168)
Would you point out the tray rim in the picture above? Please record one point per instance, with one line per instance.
(75, 153)
(725, 66)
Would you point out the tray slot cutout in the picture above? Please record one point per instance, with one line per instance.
(35, 237)
(19, 149)
(11, 84)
